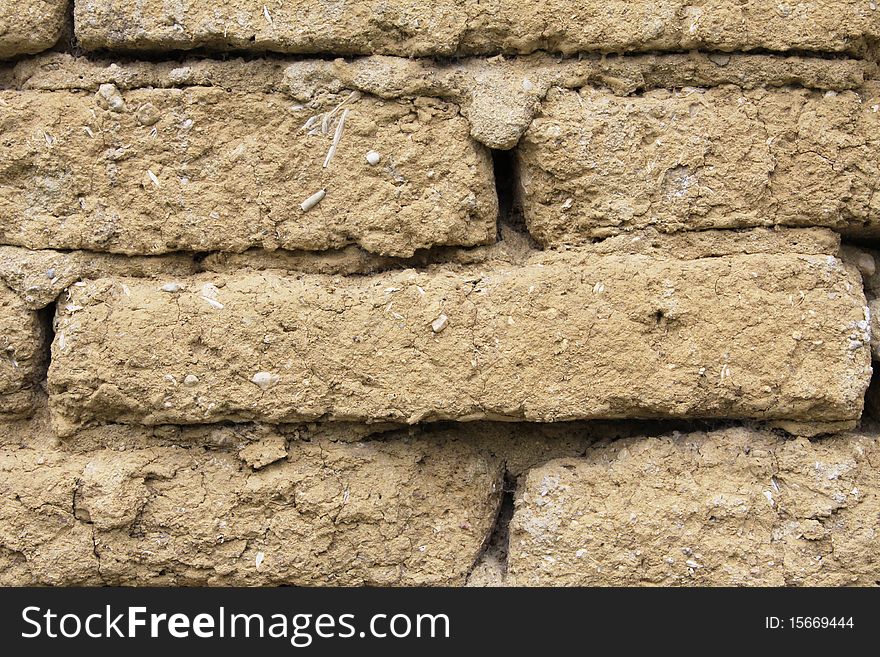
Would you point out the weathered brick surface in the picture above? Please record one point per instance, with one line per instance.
(498, 96)
(395, 512)
(562, 336)
(734, 507)
(448, 27)
(208, 169)
(302, 336)
(594, 164)
(30, 26)
(23, 354)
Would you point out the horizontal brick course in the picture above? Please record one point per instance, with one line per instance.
(448, 27)
(498, 96)
(563, 336)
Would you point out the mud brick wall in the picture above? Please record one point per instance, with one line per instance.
(450, 293)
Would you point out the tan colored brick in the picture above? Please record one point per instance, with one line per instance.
(30, 26)
(392, 512)
(595, 164)
(447, 27)
(560, 337)
(729, 508)
(23, 353)
(205, 169)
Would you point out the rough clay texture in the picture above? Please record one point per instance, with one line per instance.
(23, 355)
(498, 96)
(865, 262)
(594, 164)
(391, 77)
(728, 508)
(30, 26)
(447, 27)
(41, 277)
(780, 337)
(396, 512)
(205, 169)
(199, 505)
(307, 328)
(516, 249)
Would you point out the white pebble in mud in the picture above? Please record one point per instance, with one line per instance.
(440, 323)
(265, 380)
